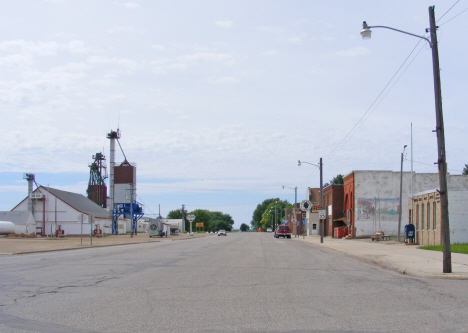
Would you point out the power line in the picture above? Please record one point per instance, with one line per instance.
(371, 107)
(374, 104)
(448, 10)
(454, 17)
(431, 165)
(146, 206)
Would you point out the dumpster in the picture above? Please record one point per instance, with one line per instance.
(409, 234)
(339, 232)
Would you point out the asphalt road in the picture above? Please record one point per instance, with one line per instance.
(244, 282)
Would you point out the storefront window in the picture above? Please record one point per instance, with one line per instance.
(422, 216)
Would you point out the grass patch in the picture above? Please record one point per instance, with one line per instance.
(456, 248)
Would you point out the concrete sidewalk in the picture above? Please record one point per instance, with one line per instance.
(19, 245)
(406, 259)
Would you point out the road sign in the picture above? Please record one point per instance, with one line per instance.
(190, 217)
(322, 214)
(305, 205)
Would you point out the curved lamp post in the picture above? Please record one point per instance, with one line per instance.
(320, 166)
(442, 164)
(295, 202)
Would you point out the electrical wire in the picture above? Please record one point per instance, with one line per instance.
(381, 95)
(454, 17)
(146, 206)
(431, 165)
(448, 10)
(371, 107)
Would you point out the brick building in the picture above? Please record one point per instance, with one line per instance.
(292, 222)
(426, 216)
(333, 198)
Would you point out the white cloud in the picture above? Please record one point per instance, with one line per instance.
(34, 48)
(77, 46)
(204, 56)
(353, 52)
(297, 39)
(157, 47)
(224, 24)
(270, 53)
(275, 30)
(224, 80)
(130, 5)
(120, 29)
(123, 62)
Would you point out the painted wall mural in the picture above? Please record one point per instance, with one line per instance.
(377, 209)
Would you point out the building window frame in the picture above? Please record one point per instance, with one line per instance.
(422, 216)
(417, 216)
(428, 216)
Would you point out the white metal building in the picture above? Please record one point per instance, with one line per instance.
(52, 208)
(23, 220)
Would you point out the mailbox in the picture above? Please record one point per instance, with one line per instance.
(409, 233)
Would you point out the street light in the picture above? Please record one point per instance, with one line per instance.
(295, 203)
(401, 190)
(442, 164)
(320, 166)
(275, 215)
(272, 216)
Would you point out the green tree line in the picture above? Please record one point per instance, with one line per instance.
(212, 221)
(269, 213)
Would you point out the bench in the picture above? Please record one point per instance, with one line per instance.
(380, 235)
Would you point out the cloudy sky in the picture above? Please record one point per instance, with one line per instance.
(217, 100)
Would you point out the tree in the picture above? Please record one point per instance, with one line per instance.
(201, 216)
(244, 227)
(465, 170)
(212, 221)
(268, 215)
(337, 180)
(218, 220)
(174, 214)
(258, 212)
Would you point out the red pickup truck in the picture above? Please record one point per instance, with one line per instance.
(282, 231)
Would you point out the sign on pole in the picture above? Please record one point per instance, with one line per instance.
(322, 214)
(305, 205)
(190, 218)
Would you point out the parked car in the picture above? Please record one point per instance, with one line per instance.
(222, 232)
(269, 230)
(282, 231)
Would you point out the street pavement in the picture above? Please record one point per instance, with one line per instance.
(244, 282)
(405, 259)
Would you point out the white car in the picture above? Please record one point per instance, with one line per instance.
(269, 230)
(222, 232)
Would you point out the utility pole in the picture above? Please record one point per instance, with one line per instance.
(401, 191)
(274, 223)
(131, 210)
(445, 228)
(183, 219)
(321, 200)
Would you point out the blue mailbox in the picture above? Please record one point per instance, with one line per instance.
(409, 232)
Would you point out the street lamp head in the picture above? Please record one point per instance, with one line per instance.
(405, 146)
(298, 162)
(365, 32)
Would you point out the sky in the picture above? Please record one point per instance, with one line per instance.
(216, 101)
